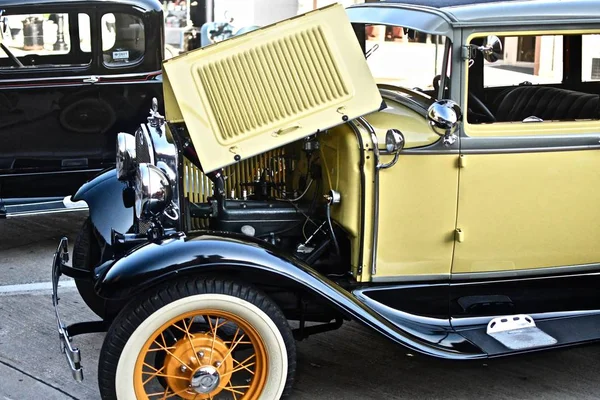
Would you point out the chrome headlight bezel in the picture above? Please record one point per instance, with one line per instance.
(125, 160)
(153, 192)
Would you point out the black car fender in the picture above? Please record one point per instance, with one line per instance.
(108, 211)
(218, 254)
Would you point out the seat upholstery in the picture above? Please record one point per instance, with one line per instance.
(547, 103)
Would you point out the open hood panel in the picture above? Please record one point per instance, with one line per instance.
(261, 90)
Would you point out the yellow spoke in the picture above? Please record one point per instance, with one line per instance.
(207, 318)
(241, 364)
(212, 348)
(161, 349)
(236, 370)
(172, 355)
(190, 336)
(233, 393)
(163, 394)
(234, 345)
(233, 390)
(152, 374)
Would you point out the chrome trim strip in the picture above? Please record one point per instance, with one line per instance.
(529, 144)
(396, 315)
(468, 322)
(411, 278)
(375, 145)
(77, 171)
(83, 76)
(36, 213)
(521, 23)
(533, 272)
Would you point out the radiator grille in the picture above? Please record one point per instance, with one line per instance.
(197, 187)
(291, 76)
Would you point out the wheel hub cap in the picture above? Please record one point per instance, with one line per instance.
(205, 379)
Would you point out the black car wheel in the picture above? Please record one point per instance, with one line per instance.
(86, 256)
(142, 357)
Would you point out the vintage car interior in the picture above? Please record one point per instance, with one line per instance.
(567, 92)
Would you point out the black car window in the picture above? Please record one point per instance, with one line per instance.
(41, 40)
(123, 39)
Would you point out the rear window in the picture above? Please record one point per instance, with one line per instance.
(43, 40)
(123, 39)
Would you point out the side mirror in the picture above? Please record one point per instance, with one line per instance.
(491, 49)
(394, 141)
(443, 117)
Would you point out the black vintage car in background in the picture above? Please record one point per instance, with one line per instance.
(72, 75)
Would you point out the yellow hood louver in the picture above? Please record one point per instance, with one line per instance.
(269, 87)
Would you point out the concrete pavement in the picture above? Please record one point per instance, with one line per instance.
(351, 363)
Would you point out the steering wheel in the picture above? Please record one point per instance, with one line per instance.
(436, 84)
(476, 106)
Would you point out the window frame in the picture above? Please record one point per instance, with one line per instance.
(519, 128)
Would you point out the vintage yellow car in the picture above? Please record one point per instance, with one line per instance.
(436, 180)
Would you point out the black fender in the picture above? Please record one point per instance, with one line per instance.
(222, 254)
(107, 208)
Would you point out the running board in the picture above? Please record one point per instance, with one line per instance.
(499, 337)
(27, 207)
(518, 332)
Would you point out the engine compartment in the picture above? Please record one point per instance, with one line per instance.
(282, 198)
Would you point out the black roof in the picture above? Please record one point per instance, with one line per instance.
(443, 3)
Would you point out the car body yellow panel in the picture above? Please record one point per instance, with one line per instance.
(528, 210)
(417, 216)
(413, 126)
(341, 166)
(270, 87)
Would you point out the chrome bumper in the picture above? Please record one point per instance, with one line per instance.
(72, 354)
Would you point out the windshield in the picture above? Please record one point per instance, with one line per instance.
(404, 57)
(31, 40)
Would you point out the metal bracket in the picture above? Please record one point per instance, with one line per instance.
(468, 52)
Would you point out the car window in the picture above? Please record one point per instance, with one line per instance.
(523, 82)
(392, 51)
(41, 40)
(85, 33)
(123, 39)
(590, 63)
(533, 59)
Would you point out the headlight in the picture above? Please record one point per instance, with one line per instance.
(125, 156)
(153, 192)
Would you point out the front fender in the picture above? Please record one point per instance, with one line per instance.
(213, 254)
(104, 197)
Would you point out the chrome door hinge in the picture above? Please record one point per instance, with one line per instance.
(468, 52)
(92, 79)
(459, 235)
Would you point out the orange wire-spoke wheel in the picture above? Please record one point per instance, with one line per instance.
(205, 354)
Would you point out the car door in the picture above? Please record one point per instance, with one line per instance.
(529, 192)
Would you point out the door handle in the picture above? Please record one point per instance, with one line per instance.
(92, 79)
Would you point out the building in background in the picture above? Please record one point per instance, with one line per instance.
(194, 23)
